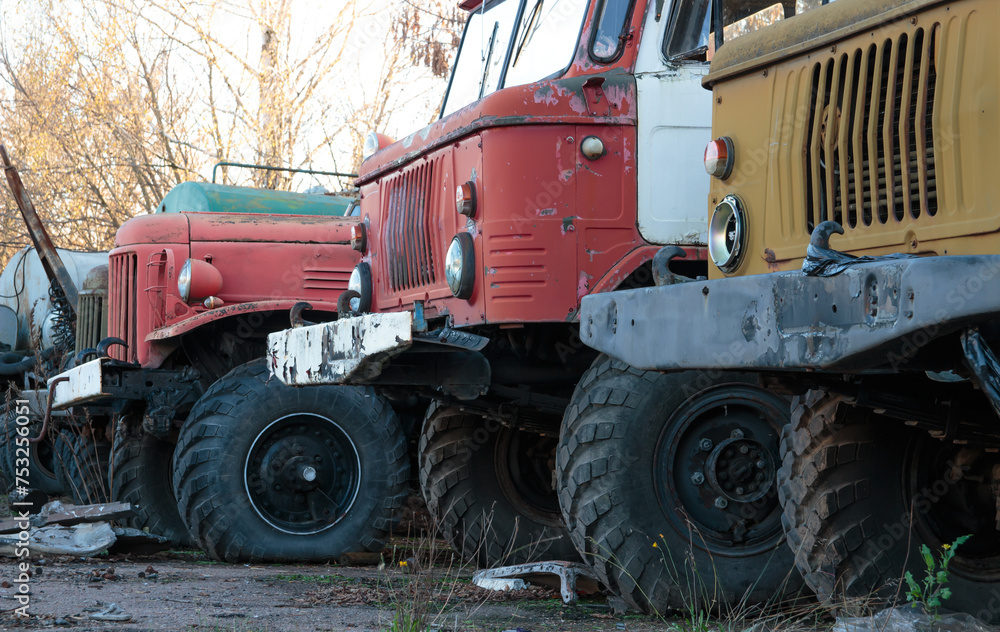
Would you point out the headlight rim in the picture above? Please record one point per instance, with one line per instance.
(184, 281)
(365, 288)
(728, 260)
(467, 276)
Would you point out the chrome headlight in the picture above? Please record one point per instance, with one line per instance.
(361, 282)
(460, 266)
(727, 234)
(184, 282)
(198, 280)
(371, 145)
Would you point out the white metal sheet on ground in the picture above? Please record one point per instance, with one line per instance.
(84, 385)
(344, 351)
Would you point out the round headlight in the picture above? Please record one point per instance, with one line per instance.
(727, 234)
(460, 266)
(198, 280)
(361, 282)
(371, 145)
(184, 282)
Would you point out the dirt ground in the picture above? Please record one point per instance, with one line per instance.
(190, 592)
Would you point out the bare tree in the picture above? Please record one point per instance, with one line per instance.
(106, 105)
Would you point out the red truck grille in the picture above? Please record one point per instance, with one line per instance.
(406, 234)
(869, 148)
(122, 283)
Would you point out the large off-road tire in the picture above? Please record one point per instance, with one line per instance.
(861, 493)
(489, 489)
(667, 487)
(41, 456)
(141, 474)
(266, 472)
(82, 463)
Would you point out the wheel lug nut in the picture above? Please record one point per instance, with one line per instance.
(721, 503)
(697, 478)
(705, 445)
(737, 434)
(739, 490)
(761, 464)
(744, 450)
(318, 458)
(277, 488)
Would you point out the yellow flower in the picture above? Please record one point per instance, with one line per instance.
(946, 547)
(403, 563)
(654, 545)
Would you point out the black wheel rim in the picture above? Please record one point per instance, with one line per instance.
(302, 474)
(525, 462)
(714, 470)
(947, 490)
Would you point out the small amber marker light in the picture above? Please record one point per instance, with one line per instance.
(465, 199)
(359, 237)
(719, 158)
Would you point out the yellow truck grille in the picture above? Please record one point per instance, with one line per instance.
(869, 145)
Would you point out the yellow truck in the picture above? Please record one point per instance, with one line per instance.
(854, 228)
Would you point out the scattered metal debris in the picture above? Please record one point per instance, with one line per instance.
(81, 540)
(570, 577)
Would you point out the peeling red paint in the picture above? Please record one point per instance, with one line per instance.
(583, 286)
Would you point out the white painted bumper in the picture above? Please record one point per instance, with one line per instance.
(84, 385)
(348, 350)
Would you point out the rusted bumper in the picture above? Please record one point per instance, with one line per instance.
(344, 351)
(872, 317)
(83, 384)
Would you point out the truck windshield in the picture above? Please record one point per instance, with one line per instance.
(691, 28)
(539, 45)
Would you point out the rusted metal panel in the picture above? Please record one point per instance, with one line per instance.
(266, 262)
(872, 317)
(348, 350)
(229, 311)
(54, 267)
(791, 37)
(84, 384)
(570, 578)
(69, 515)
(882, 129)
(558, 102)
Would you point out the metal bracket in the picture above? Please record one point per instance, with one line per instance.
(453, 338)
(570, 577)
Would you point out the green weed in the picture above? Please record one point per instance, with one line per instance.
(933, 590)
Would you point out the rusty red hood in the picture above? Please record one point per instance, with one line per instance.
(233, 227)
(562, 101)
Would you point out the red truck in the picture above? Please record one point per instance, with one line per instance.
(177, 413)
(569, 151)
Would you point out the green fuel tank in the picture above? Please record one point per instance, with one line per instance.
(202, 197)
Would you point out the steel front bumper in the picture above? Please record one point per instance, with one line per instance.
(346, 350)
(873, 316)
(80, 385)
